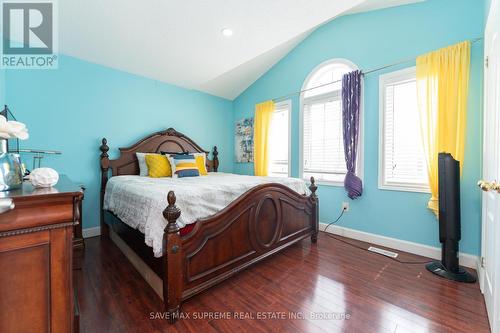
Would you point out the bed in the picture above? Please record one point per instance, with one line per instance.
(229, 223)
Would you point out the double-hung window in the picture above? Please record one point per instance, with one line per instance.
(279, 140)
(322, 148)
(402, 164)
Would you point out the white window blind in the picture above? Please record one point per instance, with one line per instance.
(403, 165)
(279, 141)
(322, 154)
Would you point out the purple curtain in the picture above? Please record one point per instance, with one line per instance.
(351, 96)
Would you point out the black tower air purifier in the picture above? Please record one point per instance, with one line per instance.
(449, 221)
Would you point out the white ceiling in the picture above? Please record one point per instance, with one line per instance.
(179, 41)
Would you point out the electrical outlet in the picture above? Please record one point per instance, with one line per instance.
(345, 206)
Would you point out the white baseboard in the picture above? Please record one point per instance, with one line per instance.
(91, 232)
(466, 260)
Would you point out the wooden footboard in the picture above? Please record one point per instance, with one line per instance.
(264, 220)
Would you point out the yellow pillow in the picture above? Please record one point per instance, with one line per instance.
(200, 164)
(158, 166)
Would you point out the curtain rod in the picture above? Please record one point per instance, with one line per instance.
(474, 40)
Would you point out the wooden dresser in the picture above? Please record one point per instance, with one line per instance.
(36, 253)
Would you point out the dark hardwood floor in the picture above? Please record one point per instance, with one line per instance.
(305, 281)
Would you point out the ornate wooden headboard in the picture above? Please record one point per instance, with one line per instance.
(169, 141)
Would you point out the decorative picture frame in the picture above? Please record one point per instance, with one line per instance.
(243, 144)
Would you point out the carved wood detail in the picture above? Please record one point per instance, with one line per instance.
(168, 140)
(36, 229)
(244, 220)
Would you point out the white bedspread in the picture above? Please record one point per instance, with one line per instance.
(140, 201)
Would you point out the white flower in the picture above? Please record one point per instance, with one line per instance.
(12, 129)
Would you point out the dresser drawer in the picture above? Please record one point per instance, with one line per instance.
(32, 212)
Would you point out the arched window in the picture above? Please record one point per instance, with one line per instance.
(322, 147)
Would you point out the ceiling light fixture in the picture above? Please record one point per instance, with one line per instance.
(226, 32)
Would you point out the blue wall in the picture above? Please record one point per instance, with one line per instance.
(2, 87)
(372, 40)
(72, 108)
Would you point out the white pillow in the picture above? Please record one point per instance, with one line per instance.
(143, 168)
(172, 165)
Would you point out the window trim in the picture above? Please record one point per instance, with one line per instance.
(384, 80)
(302, 102)
(287, 103)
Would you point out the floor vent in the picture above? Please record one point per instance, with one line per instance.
(383, 252)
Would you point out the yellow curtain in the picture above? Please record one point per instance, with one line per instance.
(262, 122)
(442, 88)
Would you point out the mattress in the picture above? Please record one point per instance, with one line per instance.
(139, 201)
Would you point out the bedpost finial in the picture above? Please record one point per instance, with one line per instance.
(215, 154)
(313, 187)
(171, 214)
(171, 198)
(104, 147)
(104, 160)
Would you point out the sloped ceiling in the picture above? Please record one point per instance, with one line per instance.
(180, 41)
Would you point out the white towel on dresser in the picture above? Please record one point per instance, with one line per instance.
(139, 201)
